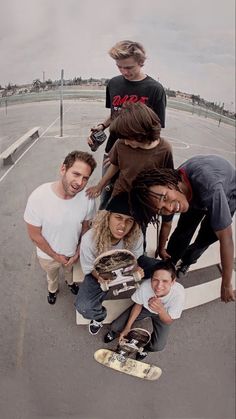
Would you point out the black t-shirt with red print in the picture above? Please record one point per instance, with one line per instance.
(148, 91)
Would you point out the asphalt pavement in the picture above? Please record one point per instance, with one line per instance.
(46, 360)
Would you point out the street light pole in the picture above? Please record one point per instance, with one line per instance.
(61, 104)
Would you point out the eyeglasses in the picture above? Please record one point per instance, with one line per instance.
(161, 197)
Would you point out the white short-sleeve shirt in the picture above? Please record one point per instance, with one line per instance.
(60, 219)
(173, 301)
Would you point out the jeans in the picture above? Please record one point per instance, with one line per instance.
(179, 244)
(90, 296)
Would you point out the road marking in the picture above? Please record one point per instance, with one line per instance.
(37, 139)
(23, 316)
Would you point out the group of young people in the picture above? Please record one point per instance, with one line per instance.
(143, 187)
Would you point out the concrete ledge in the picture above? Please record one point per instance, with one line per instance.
(195, 296)
(7, 156)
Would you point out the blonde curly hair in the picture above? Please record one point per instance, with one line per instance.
(102, 234)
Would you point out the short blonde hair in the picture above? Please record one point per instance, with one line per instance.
(127, 49)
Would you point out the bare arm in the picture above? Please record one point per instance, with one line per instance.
(136, 310)
(75, 257)
(37, 238)
(226, 255)
(94, 191)
(163, 237)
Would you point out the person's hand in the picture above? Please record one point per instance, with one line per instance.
(140, 272)
(124, 333)
(163, 254)
(155, 304)
(93, 191)
(73, 259)
(61, 259)
(227, 293)
(101, 280)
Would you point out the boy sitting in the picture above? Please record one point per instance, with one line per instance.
(113, 228)
(161, 298)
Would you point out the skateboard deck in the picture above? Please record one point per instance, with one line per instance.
(120, 360)
(118, 269)
(128, 366)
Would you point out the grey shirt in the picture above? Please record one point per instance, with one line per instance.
(213, 181)
(88, 252)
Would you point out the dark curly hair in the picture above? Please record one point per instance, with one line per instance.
(140, 195)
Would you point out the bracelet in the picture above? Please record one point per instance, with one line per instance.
(104, 126)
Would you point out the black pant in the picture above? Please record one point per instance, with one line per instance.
(179, 244)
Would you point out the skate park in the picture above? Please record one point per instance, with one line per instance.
(47, 355)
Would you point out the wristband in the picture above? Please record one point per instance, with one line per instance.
(104, 126)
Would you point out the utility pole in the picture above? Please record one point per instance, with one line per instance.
(61, 104)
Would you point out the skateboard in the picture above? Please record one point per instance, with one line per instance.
(122, 358)
(118, 269)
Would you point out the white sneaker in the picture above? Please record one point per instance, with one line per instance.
(94, 327)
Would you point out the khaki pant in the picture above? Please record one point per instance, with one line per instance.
(52, 267)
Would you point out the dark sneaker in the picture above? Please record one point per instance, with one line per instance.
(109, 337)
(74, 288)
(94, 327)
(140, 356)
(182, 270)
(52, 296)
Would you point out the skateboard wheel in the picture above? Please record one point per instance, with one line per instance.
(115, 292)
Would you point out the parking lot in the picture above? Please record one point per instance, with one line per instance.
(47, 365)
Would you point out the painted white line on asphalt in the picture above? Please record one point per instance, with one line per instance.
(22, 155)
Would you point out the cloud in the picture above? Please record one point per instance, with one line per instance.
(190, 44)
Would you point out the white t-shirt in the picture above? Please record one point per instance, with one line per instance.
(60, 219)
(173, 301)
(88, 252)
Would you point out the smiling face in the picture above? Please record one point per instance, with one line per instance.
(162, 282)
(168, 201)
(130, 69)
(74, 179)
(120, 225)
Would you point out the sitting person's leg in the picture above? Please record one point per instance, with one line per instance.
(159, 334)
(89, 300)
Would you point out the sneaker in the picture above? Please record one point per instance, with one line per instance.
(182, 270)
(109, 337)
(141, 355)
(52, 296)
(74, 288)
(94, 327)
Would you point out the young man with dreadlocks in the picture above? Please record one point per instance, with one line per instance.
(203, 191)
(113, 228)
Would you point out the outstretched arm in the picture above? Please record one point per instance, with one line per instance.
(136, 310)
(226, 255)
(95, 191)
(163, 237)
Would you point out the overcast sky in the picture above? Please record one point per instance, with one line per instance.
(189, 43)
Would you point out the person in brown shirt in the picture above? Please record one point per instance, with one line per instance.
(139, 147)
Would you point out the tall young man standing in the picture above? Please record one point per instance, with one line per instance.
(57, 215)
(133, 85)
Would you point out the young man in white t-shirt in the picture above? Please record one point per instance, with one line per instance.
(57, 215)
(162, 299)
